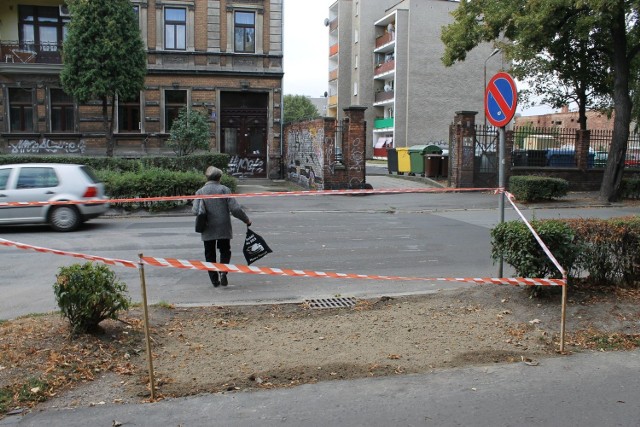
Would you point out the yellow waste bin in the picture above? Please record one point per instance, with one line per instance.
(404, 160)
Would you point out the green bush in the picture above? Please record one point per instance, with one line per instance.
(630, 188)
(604, 252)
(535, 188)
(155, 182)
(513, 241)
(193, 162)
(88, 294)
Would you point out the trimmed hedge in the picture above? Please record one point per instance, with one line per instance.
(193, 162)
(155, 182)
(535, 188)
(607, 252)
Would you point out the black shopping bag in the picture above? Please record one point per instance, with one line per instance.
(254, 247)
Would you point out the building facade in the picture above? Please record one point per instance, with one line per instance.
(386, 55)
(221, 57)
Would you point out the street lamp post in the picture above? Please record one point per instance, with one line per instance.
(494, 53)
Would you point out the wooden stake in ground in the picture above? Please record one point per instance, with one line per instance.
(146, 330)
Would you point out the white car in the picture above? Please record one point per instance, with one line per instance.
(50, 182)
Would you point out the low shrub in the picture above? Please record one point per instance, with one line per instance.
(605, 252)
(88, 294)
(194, 162)
(630, 188)
(535, 188)
(514, 242)
(155, 182)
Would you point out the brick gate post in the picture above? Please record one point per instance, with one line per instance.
(463, 149)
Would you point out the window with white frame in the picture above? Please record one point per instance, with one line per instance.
(175, 28)
(244, 31)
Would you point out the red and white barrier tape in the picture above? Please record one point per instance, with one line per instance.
(544, 247)
(246, 269)
(110, 261)
(273, 194)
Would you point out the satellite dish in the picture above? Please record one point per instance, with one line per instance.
(326, 22)
(325, 94)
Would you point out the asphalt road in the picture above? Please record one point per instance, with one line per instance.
(419, 235)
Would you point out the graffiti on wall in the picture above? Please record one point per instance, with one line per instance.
(305, 157)
(246, 167)
(46, 146)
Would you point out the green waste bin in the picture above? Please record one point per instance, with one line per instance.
(404, 162)
(416, 153)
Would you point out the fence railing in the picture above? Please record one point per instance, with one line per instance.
(556, 147)
(30, 53)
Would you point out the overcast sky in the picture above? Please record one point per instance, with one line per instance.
(306, 47)
(306, 50)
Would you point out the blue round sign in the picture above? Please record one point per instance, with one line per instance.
(500, 99)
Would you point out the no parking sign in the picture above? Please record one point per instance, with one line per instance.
(500, 99)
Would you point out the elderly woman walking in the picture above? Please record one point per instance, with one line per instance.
(218, 231)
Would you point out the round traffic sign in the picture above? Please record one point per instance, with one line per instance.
(500, 99)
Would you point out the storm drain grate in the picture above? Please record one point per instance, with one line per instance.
(331, 302)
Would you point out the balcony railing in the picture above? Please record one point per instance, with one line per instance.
(333, 24)
(385, 66)
(333, 49)
(30, 53)
(333, 74)
(384, 96)
(383, 123)
(384, 39)
(333, 100)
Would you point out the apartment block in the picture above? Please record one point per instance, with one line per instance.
(221, 57)
(386, 55)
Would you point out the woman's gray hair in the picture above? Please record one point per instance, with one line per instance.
(213, 173)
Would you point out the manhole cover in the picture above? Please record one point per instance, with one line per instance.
(331, 302)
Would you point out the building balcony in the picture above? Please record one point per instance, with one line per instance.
(333, 75)
(384, 39)
(332, 101)
(333, 24)
(384, 96)
(333, 49)
(383, 123)
(385, 67)
(13, 52)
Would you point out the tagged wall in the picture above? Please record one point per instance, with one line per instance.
(324, 154)
(304, 144)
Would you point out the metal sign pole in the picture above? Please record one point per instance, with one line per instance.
(501, 185)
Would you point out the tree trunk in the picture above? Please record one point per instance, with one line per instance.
(610, 188)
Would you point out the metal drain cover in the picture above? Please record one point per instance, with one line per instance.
(331, 302)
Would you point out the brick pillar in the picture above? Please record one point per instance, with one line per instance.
(583, 138)
(349, 171)
(354, 147)
(463, 149)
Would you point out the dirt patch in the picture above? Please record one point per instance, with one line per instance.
(223, 349)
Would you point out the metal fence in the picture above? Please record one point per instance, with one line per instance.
(556, 147)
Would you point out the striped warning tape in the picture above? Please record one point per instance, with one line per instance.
(247, 269)
(110, 261)
(270, 194)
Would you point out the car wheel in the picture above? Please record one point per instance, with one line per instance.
(64, 218)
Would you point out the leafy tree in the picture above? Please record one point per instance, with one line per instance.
(104, 56)
(610, 29)
(298, 108)
(189, 132)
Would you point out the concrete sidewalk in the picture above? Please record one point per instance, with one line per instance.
(584, 389)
